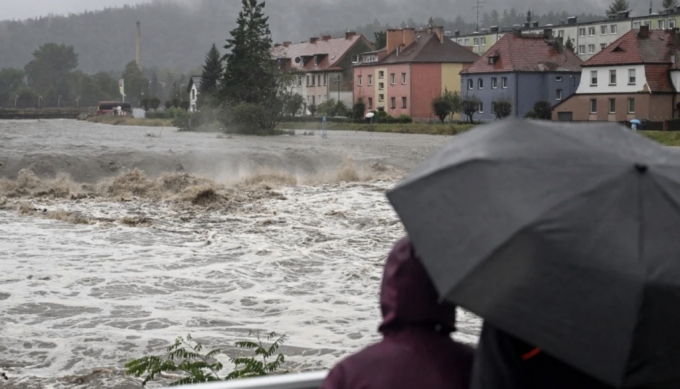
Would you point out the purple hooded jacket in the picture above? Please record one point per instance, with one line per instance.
(417, 350)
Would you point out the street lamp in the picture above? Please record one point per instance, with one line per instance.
(59, 101)
(15, 101)
(78, 102)
(39, 98)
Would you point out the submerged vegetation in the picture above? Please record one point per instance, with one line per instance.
(187, 358)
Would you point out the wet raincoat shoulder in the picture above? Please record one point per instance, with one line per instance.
(417, 350)
(505, 362)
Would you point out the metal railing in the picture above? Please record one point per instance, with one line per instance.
(286, 381)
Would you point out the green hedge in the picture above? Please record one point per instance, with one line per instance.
(313, 119)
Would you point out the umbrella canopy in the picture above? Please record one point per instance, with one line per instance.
(370, 115)
(563, 235)
(635, 121)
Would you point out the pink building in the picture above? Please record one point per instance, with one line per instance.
(414, 68)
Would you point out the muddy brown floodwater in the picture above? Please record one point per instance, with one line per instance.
(116, 240)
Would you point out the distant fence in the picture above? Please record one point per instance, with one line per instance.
(49, 113)
(286, 381)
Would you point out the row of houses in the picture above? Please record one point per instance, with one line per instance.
(634, 76)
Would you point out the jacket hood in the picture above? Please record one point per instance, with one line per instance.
(408, 297)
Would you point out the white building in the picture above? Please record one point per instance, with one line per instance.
(193, 90)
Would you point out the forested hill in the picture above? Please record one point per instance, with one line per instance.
(178, 35)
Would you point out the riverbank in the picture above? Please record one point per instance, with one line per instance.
(668, 138)
(44, 113)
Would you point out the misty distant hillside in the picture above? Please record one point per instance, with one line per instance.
(176, 34)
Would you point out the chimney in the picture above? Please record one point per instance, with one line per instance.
(644, 31)
(535, 24)
(572, 20)
(399, 38)
(494, 28)
(547, 33)
(559, 44)
(286, 44)
(326, 38)
(439, 31)
(457, 32)
(350, 34)
(139, 45)
(313, 39)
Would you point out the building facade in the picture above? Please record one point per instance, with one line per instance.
(522, 69)
(634, 78)
(415, 68)
(322, 67)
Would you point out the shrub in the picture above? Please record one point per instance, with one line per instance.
(168, 104)
(185, 105)
(358, 111)
(470, 107)
(198, 367)
(155, 103)
(543, 110)
(503, 108)
(442, 108)
(531, 115)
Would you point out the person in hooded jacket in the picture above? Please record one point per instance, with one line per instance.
(417, 350)
(503, 361)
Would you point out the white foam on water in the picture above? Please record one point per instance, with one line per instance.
(81, 297)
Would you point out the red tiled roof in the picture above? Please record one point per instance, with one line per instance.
(526, 54)
(428, 48)
(333, 50)
(658, 78)
(631, 48)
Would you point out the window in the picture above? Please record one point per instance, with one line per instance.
(582, 49)
(360, 80)
(471, 84)
(662, 24)
(381, 86)
(482, 40)
(403, 103)
(381, 98)
(593, 78)
(494, 83)
(631, 105)
(370, 79)
(648, 24)
(603, 30)
(370, 103)
(393, 79)
(591, 49)
(325, 79)
(636, 25)
(591, 31)
(559, 94)
(671, 24)
(308, 84)
(631, 77)
(504, 82)
(493, 108)
(612, 105)
(319, 78)
(558, 78)
(603, 46)
(612, 29)
(467, 41)
(480, 84)
(582, 31)
(593, 106)
(381, 74)
(481, 107)
(300, 81)
(560, 34)
(403, 78)
(393, 102)
(476, 40)
(313, 100)
(612, 77)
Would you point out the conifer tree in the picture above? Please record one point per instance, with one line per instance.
(212, 71)
(249, 76)
(618, 6)
(670, 4)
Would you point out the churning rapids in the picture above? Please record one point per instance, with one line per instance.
(116, 240)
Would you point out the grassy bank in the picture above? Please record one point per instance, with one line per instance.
(668, 138)
(129, 121)
(411, 128)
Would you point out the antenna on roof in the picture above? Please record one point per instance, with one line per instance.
(478, 7)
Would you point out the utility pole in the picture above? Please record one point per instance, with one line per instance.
(478, 6)
(78, 102)
(59, 101)
(15, 101)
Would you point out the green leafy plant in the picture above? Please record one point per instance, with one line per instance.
(199, 367)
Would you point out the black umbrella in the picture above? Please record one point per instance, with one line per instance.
(566, 236)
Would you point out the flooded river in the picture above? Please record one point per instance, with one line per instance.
(116, 240)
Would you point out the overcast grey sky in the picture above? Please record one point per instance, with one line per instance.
(22, 9)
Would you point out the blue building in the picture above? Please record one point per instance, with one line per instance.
(522, 69)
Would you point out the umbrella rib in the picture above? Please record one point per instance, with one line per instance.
(503, 243)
